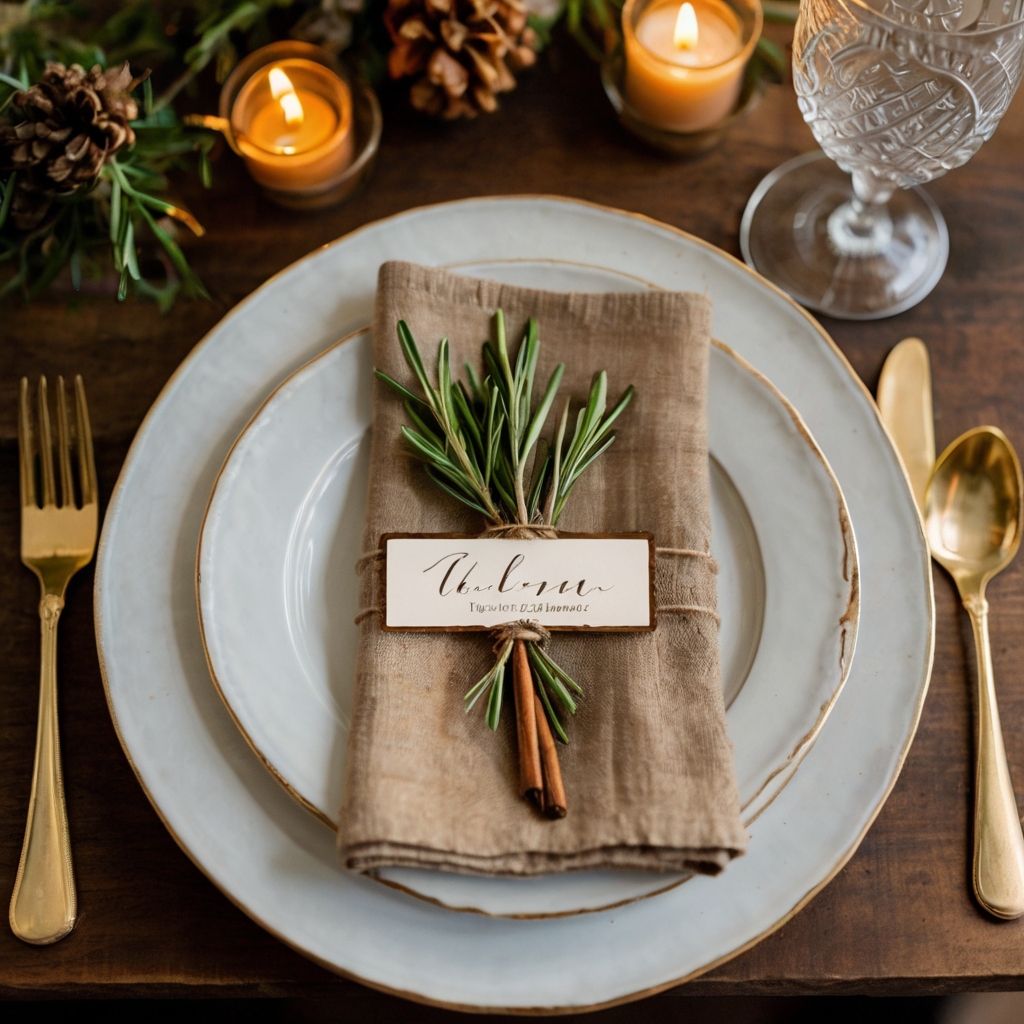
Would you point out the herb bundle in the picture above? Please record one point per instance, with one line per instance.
(481, 443)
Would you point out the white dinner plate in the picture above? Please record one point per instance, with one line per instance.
(281, 641)
(278, 862)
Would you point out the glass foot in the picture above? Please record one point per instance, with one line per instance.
(802, 231)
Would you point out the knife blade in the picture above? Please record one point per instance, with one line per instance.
(905, 401)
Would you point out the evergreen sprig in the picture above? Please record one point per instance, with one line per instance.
(481, 443)
(476, 440)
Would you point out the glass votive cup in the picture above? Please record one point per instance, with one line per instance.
(334, 169)
(680, 98)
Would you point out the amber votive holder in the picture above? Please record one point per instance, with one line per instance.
(329, 174)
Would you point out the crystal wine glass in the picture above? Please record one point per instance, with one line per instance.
(897, 92)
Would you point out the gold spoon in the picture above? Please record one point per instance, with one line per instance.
(973, 517)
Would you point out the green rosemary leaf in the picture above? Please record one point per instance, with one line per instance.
(478, 688)
(12, 82)
(494, 701)
(412, 357)
(548, 709)
(188, 275)
(456, 478)
(595, 403)
(553, 682)
(421, 424)
(493, 431)
(501, 479)
(503, 363)
(558, 670)
(5, 206)
(444, 382)
(128, 253)
(122, 288)
(424, 448)
(115, 209)
(492, 366)
(532, 345)
(75, 264)
(435, 474)
(519, 372)
(537, 425)
(627, 397)
(404, 392)
(205, 167)
(474, 384)
(540, 474)
(570, 479)
(588, 456)
(556, 465)
(468, 422)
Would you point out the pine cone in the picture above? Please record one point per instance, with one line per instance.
(71, 121)
(462, 52)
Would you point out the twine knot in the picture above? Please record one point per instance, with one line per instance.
(521, 531)
(523, 629)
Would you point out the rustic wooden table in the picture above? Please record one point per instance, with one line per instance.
(899, 919)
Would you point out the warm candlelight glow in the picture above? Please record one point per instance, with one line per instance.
(283, 91)
(292, 108)
(280, 83)
(685, 36)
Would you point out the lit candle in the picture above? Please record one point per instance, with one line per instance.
(684, 63)
(292, 123)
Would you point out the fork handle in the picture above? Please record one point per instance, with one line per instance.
(44, 904)
(998, 841)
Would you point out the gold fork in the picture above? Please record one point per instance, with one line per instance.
(56, 541)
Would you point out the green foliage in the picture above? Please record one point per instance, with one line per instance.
(123, 206)
(594, 24)
(479, 441)
(110, 215)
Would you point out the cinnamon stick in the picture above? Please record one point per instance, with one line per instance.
(554, 805)
(531, 778)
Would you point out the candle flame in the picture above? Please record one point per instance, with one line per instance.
(685, 36)
(283, 91)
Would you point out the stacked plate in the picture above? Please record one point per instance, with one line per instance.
(238, 660)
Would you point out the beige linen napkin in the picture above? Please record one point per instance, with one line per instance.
(649, 771)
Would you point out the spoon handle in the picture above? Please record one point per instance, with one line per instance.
(998, 840)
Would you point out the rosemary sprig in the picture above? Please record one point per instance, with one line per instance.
(477, 441)
(481, 443)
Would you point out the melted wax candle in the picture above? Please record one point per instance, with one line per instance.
(684, 64)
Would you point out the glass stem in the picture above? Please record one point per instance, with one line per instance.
(862, 226)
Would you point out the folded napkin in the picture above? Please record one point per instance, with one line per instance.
(649, 771)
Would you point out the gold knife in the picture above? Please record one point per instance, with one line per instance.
(905, 401)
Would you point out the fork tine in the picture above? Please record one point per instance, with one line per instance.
(67, 487)
(46, 447)
(86, 459)
(28, 474)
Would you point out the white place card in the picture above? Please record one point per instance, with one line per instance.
(578, 582)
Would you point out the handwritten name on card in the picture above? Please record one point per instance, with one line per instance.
(597, 582)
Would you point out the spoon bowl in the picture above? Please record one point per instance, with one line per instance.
(973, 509)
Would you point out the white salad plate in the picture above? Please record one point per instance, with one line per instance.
(281, 641)
(277, 861)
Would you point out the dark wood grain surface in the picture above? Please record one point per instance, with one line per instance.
(899, 919)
